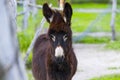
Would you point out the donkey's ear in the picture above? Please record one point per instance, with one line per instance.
(68, 12)
(47, 12)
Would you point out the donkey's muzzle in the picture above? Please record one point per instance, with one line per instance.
(59, 52)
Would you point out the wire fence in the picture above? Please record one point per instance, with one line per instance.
(102, 14)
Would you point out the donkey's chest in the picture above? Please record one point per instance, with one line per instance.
(59, 70)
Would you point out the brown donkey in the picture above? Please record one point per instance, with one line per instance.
(53, 55)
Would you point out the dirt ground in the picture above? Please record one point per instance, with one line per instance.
(95, 61)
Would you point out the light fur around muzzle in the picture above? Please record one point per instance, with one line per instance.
(59, 52)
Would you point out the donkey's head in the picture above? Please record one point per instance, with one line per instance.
(59, 31)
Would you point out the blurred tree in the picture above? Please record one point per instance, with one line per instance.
(11, 65)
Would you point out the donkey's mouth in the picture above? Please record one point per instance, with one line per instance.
(59, 60)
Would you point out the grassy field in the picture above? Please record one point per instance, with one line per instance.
(81, 22)
(91, 5)
(108, 77)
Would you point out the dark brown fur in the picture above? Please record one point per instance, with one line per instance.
(44, 64)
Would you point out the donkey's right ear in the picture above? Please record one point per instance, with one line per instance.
(47, 12)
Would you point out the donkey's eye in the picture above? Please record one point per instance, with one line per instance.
(65, 37)
(52, 37)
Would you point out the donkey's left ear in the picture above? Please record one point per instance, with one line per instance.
(68, 12)
(47, 12)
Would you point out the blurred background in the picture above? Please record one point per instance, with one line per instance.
(93, 22)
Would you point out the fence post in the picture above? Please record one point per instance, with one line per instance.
(33, 9)
(26, 13)
(11, 66)
(61, 3)
(114, 8)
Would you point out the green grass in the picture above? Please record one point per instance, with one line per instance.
(81, 21)
(108, 77)
(109, 45)
(24, 40)
(113, 68)
(29, 75)
(115, 45)
(91, 5)
(29, 61)
(93, 40)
